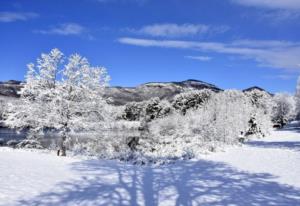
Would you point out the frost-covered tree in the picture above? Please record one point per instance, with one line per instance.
(133, 111)
(225, 116)
(191, 100)
(67, 98)
(297, 99)
(260, 121)
(146, 110)
(2, 109)
(155, 108)
(40, 88)
(283, 109)
(218, 122)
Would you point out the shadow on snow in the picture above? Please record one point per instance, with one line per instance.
(282, 145)
(291, 145)
(185, 183)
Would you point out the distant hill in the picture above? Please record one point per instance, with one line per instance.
(253, 88)
(163, 90)
(256, 88)
(10, 88)
(123, 95)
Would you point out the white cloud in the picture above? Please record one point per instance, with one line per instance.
(279, 16)
(264, 43)
(276, 54)
(200, 58)
(271, 4)
(64, 29)
(282, 76)
(16, 16)
(172, 30)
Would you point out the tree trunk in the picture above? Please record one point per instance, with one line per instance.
(62, 146)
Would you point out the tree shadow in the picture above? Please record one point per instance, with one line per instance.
(292, 127)
(282, 145)
(291, 145)
(183, 183)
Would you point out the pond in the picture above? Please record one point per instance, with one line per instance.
(53, 138)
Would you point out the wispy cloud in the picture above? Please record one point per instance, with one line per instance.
(276, 54)
(264, 43)
(275, 11)
(271, 4)
(64, 29)
(282, 76)
(176, 30)
(172, 30)
(279, 16)
(199, 58)
(16, 16)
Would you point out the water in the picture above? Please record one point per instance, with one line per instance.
(10, 134)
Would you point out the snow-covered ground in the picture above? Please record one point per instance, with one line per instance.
(263, 172)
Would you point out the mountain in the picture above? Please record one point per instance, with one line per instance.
(163, 90)
(123, 95)
(257, 88)
(253, 88)
(10, 88)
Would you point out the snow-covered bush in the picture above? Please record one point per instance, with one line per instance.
(224, 117)
(67, 97)
(217, 123)
(191, 100)
(284, 109)
(29, 144)
(12, 143)
(133, 111)
(155, 108)
(260, 121)
(146, 110)
(297, 99)
(3, 107)
(2, 142)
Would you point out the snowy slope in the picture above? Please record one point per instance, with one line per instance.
(263, 172)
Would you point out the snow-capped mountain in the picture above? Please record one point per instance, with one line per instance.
(10, 88)
(163, 90)
(123, 95)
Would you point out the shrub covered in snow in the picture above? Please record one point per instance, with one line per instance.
(218, 122)
(262, 104)
(3, 107)
(2, 142)
(133, 111)
(284, 109)
(29, 144)
(149, 110)
(12, 143)
(154, 108)
(297, 99)
(191, 100)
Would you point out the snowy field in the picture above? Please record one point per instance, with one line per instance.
(263, 172)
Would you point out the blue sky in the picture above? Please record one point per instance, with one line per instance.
(230, 43)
